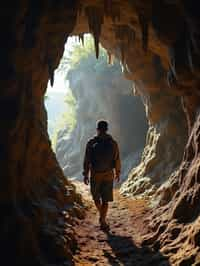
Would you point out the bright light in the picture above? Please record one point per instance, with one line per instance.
(60, 84)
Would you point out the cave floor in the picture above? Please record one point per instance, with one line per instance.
(121, 246)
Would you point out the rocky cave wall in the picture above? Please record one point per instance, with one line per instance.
(158, 42)
(105, 95)
(37, 203)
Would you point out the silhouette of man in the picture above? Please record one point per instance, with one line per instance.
(101, 167)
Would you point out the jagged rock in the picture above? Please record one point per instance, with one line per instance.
(32, 32)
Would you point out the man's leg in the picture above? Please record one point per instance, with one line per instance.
(98, 205)
(104, 210)
(95, 190)
(106, 195)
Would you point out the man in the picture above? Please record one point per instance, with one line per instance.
(101, 166)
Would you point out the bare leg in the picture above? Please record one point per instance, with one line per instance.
(98, 205)
(104, 210)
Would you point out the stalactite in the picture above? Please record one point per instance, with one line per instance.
(112, 9)
(96, 44)
(158, 67)
(80, 8)
(189, 55)
(110, 58)
(193, 54)
(172, 61)
(171, 80)
(125, 33)
(52, 78)
(195, 42)
(81, 38)
(126, 37)
(120, 32)
(108, 7)
(95, 20)
(50, 71)
(171, 74)
(131, 36)
(181, 58)
(116, 16)
(66, 38)
(144, 24)
(122, 50)
(32, 17)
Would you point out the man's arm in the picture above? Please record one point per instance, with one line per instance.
(86, 164)
(117, 163)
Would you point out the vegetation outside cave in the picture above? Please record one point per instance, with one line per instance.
(95, 90)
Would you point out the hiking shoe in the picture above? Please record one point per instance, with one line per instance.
(103, 225)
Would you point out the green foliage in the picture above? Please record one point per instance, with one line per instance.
(46, 97)
(77, 55)
(70, 100)
(67, 119)
(70, 115)
(82, 58)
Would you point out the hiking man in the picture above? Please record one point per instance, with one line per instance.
(101, 167)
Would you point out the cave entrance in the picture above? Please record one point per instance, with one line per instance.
(86, 90)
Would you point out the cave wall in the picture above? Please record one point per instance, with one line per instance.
(164, 36)
(37, 203)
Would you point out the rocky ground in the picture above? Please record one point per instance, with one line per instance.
(120, 246)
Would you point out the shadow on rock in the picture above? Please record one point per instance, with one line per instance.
(125, 252)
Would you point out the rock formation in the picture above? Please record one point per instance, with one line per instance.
(102, 94)
(158, 43)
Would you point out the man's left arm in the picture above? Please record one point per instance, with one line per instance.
(117, 163)
(86, 164)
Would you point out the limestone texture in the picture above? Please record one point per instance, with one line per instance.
(158, 43)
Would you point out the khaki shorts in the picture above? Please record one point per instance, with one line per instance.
(101, 185)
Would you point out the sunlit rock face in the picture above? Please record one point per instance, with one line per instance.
(163, 151)
(158, 42)
(106, 95)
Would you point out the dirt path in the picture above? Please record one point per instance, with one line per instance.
(121, 246)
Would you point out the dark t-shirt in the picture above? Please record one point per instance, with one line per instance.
(102, 154)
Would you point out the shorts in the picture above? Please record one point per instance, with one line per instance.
(101, 186)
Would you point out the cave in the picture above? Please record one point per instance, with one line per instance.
(158, 43)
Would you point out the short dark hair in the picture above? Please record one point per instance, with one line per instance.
(102, 125)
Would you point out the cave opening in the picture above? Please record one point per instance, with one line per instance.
(85, 90)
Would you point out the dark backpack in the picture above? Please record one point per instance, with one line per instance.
(102, 154)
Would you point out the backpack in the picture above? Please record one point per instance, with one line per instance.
(102, 154)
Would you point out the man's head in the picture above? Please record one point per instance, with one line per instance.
(102, 126)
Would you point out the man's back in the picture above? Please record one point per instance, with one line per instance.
(102, 154)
